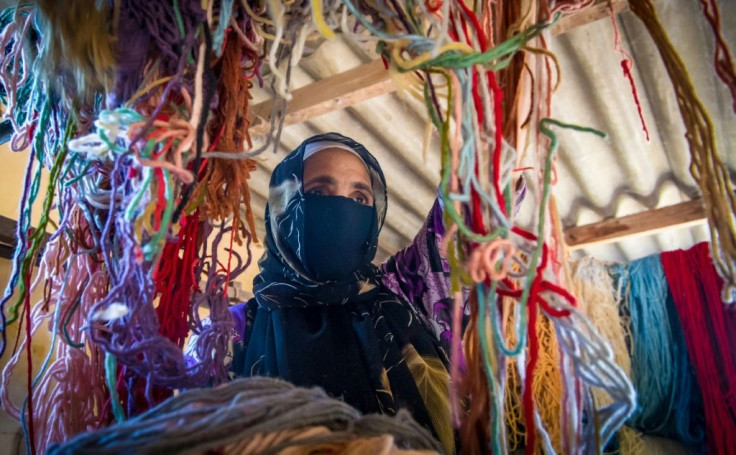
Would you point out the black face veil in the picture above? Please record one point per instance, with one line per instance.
(301, 266)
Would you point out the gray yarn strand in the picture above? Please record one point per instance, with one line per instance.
(198, 420)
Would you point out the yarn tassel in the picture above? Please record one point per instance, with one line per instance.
(707, 168)
(225, 182)
(77, 51)
(661, 370)
(709, 329)
(594, 289)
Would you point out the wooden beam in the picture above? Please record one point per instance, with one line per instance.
(372, 79)
(614, 229)
(8, 241)
(599, 10)
(328, 95)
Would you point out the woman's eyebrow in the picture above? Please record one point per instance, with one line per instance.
(325, 179)
(363, 186)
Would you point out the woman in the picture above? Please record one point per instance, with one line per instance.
(324, 315)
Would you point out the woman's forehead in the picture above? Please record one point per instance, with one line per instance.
(336, 160)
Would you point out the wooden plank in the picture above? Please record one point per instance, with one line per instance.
(679, 215)
(8, 241)
(371, 80)
(599, 10)
(7, 231)
(328, 95)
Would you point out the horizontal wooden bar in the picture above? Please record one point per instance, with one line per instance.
(611, 230)
(599, 10)
(372, 79)
(328, 95)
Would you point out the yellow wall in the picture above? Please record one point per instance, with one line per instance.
(9, 427)
(12, 173)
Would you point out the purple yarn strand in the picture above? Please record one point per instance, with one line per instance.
(20, 247)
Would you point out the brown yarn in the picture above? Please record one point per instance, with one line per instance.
(706, 166)
(225, 183)
(474, 426)
(77, 52)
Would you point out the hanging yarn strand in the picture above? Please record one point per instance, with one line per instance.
(124, 131)
(627, 65)
(706, 166)
(708, 328)
(722, 58)
(145, 133)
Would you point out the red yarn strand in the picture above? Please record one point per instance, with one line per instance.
(722, 60)
(627, 64)
(708, 329)
(29, 360)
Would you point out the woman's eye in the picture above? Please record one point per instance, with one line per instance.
(315, 191)
(361, 200)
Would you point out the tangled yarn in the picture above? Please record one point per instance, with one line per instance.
(261, 413)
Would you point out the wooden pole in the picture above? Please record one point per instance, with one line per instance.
(611, 230)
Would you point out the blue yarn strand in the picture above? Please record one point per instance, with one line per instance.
(660, 368)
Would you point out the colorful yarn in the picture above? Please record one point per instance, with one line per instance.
(547, 390)
(706, 166)
(709, 329)
(209, 419)
(660, 368)
(73, 382)
(595, 292)
(118, 173)
(224, 185)
(160, 163)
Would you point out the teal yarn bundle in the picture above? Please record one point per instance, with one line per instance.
(669, 402)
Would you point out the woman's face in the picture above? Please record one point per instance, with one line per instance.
(337, 172)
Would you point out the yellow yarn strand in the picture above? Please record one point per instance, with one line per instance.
(319, 20)
(147, 89)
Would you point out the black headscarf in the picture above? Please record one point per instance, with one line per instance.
(285, 280)
(354, 337)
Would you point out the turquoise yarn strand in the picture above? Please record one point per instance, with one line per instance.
(660, 368)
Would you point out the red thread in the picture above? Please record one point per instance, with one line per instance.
(709, 329)
(161, 199)
(29, 360)
(627, 65)
(175, 281)
(229, 261)
(722, 59)
(498, 113)
(523, 233)
(433, 7)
